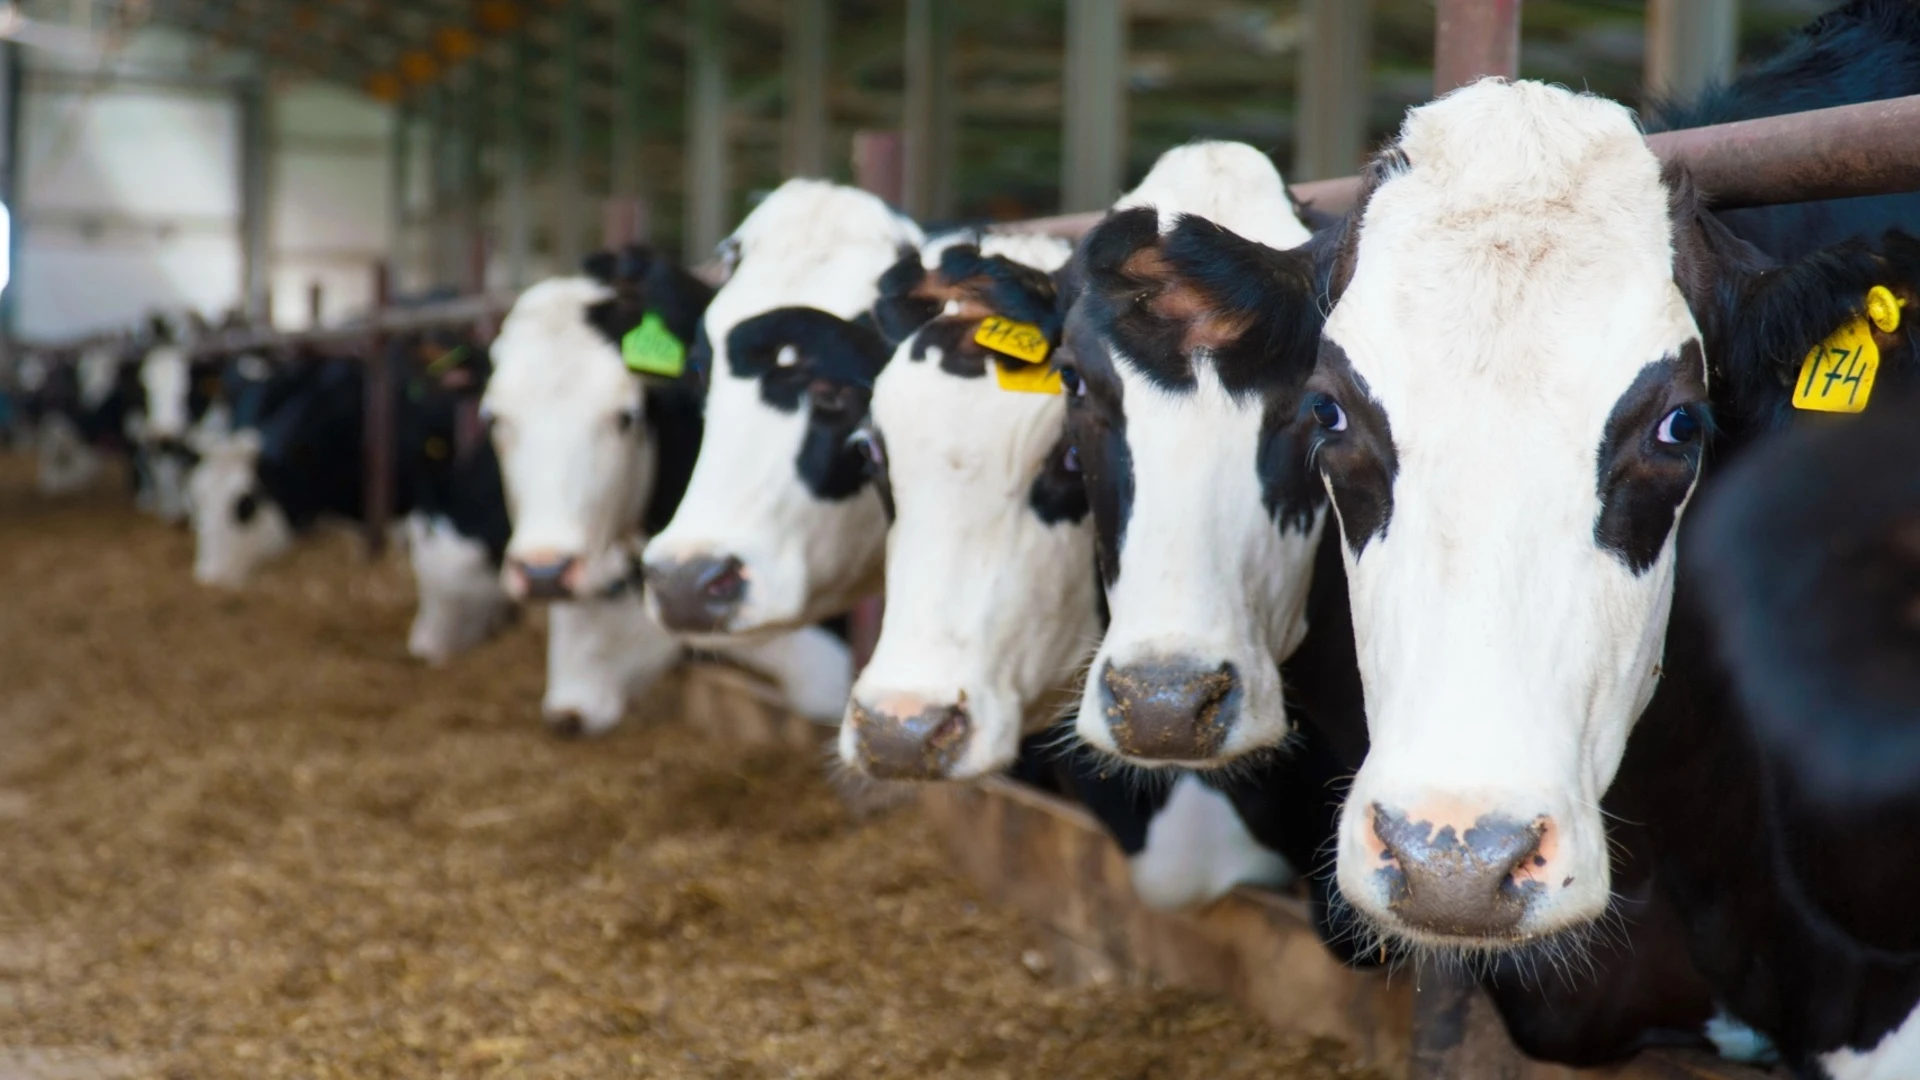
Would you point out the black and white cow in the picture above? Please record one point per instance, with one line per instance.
(176, 392)
(1792, 840)
(457, 533)
(255, 490)
(79, 410)
(594, 455)
(1528, 356)
(779, 527)
(987, 629)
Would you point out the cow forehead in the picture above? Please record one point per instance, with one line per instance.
(842, 282)
(1539, 278)
(919, 406)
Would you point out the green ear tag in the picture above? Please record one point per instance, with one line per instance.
(651, 349)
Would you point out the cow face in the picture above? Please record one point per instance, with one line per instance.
(568, 422)
(1510, 404)
(779, 526)
(161, 433)
(237, 526)
(1206, 525)
(990, 588)
(461, 602)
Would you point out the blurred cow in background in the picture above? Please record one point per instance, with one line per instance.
(457, 533)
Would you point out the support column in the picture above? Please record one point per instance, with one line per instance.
(473, 135)
(708, 204)
(1094, 140)
(626, 218)
(399, 185)
(1330, 126)
(1473, 39)
(930, 117)
(1690, 44)
(13, 86)
(516, 224)
(568, 190)
(804, 132)
(441, 268)
(255, 286)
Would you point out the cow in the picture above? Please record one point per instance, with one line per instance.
(457, 533)
(79, 411)
(779, 527)
(175, 393)
(1511, 595)
(987, 625)
(1800, 570)
(595, 440)
(254, 491)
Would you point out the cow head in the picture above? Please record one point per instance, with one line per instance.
(779, 526)
(1207, 522)
(991, 599)
(237, 526)
(1509, 409)
(160, 434)
(575, 429)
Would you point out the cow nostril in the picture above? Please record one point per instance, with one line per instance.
(566, 725)
(724, 582)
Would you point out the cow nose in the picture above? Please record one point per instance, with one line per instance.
(697, 595)
(1472, 883)
(907, 738)
(1170, 710)
(546, 577)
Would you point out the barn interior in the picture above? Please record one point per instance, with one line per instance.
(246, 834)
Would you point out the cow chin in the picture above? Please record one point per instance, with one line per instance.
(1479, 872)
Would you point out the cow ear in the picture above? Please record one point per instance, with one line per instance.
(1007, 288)
(1255, 311)
(1762, 321)
(633, 262)
(601, 266)
(903, 306)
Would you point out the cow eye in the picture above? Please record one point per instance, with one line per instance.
(1328, 414)
(1071, 380)
(830, 397)
(868, 442)
(627, 420)
(1070, 461)
(486, 417)
(1679, 427)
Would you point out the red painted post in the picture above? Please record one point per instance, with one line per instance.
(1473, 39)
(380, 421)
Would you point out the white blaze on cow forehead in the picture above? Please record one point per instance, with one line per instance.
(1512, 280)
(1228, 183)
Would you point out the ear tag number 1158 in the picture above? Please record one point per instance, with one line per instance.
(1022, 361)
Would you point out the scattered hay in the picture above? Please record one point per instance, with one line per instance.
(245, 836)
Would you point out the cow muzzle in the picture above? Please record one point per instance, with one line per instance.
(699, 594)
(1171, 708)
(544, 576)
(907, 738)
(1460, 874)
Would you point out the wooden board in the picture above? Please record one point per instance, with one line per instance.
(1051, 860)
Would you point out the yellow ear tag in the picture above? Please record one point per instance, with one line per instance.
(1837, 375)
(1027, 378)
(1022, 341)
